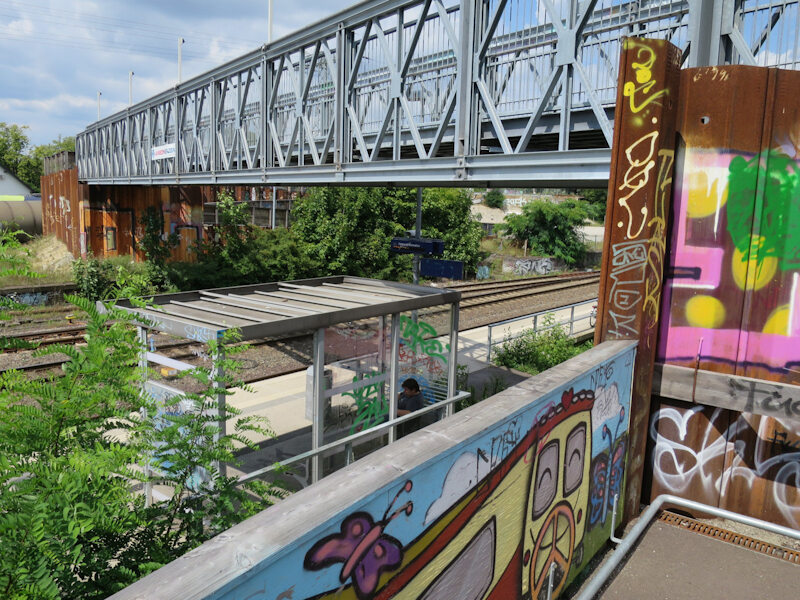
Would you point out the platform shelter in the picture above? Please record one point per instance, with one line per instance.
(368, 337)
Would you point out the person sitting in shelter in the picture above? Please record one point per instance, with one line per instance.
(410, 400)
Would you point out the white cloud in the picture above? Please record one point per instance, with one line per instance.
(462, 477)
(18, 27)
(54, 104)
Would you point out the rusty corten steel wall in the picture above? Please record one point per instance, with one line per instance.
(106, 220)
(114, 215)
(63, 198)
(735, 249)
(741, 462)
(731, 293)
(636, 223)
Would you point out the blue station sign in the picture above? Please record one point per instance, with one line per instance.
(417, 246)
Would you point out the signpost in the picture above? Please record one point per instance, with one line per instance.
(417, 246)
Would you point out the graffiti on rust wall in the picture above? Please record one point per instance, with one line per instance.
(738, 461)
(732, 293)
(641, 194)
(489, 516)
(722, 247)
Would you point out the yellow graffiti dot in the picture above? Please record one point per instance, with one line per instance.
(705, 311)
(654, 120)
(705, 199)
(750, 274)
(778, 321)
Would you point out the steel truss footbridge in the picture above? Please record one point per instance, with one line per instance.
(424, 92)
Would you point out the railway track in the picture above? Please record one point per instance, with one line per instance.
(476, 297)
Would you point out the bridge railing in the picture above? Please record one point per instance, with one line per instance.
(420, 91)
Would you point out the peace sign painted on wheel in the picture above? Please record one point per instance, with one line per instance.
(554, 546)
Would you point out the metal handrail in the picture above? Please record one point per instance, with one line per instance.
(535, 316)
(345, 441)
(607, 569)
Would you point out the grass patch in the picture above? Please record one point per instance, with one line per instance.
(48, 257)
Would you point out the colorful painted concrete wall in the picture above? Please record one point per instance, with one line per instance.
(479, 506)
(732, 293)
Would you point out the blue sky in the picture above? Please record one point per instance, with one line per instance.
(57, 54)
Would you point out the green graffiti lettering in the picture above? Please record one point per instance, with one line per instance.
(763, 211)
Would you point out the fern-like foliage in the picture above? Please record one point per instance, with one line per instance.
(77, 450)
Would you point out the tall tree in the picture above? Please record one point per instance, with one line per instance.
(550, 229)
(347, 230)
(24, 161)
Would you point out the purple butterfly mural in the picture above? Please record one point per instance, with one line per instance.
(362, 547)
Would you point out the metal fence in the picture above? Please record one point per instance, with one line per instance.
(575, 325)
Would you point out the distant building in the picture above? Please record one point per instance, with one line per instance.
(11, 186)
(487, 217)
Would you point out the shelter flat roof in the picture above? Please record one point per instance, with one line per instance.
(279, 308)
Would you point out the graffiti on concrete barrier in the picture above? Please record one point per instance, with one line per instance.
(362, 547)
(534, 265)
(494, 514)
(29, 298)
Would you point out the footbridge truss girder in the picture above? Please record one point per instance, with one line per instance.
(433, 92)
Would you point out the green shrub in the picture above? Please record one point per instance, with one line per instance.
(74, 446)
(93, 277)
(550, 229)
(116, 277)
(534, 352)
(494, 199)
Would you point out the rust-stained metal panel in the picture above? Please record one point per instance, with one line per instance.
(734, 260)
(688, 449)
(762, 475)
(636, 222)
(62, 213)
(742, 462)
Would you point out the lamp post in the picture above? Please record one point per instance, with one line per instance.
(269, 41)
(99, 93)
(180, 47)
(269, 21)
(130, 88)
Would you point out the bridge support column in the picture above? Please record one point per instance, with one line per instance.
(639, 194)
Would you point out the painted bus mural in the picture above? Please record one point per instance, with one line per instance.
(487, 519)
